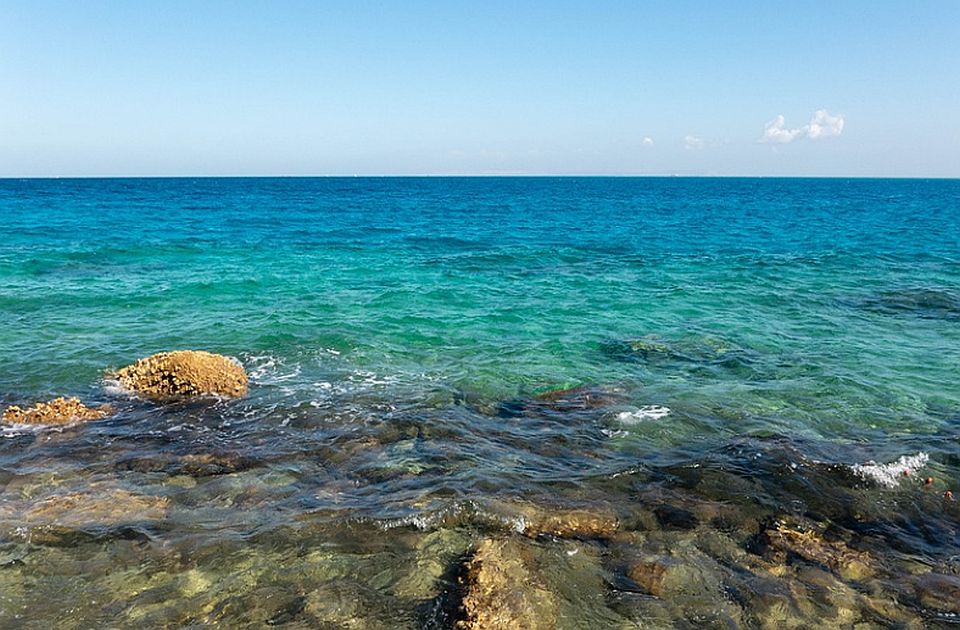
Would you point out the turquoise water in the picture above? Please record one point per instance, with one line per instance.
(398, 332)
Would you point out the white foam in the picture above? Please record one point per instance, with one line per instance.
(13, 430)
(889, 475)
(643, 414)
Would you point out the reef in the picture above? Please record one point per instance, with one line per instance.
(57, 411)
(184, 373)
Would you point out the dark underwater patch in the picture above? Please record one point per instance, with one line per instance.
(923, 302)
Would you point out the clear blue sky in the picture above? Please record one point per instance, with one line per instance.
(300, 88)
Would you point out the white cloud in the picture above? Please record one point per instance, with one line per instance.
(693, 142)
(822, 125)
(648, 141)
(773, 131)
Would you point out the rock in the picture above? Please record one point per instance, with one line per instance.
(562, 400)
(535, 520)
(69, 518)
(939, 592)
(57, 411)
(80, 509)
(184, 373)
(808, 543)
(502, 592)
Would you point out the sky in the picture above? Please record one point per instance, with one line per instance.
(841, 88)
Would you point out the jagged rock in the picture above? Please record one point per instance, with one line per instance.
(184, 373)
(805, 541)
(502, 592)
(57, 411)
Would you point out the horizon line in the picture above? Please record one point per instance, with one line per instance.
(479, 176)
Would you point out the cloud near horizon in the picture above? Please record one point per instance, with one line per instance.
(822, 125)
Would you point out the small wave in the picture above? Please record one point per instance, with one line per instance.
(268, 369)
(889, 475)
(648, 412)
(15, 430)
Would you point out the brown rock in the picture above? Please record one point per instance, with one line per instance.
(534, 520)
(80, 509)
(649, 574)
(939, 592)
(184, 373)
(809, 544)
(57, 411)
(502, 591)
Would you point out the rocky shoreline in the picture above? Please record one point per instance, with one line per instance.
(689, 546)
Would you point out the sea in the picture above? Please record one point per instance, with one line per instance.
(687, 402)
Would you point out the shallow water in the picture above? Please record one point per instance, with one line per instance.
(730, 354)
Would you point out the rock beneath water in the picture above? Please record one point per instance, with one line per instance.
(535, 520)
(565, 400)
(80, 509)
(691, 349)
(70, 517)
(806, 541)
(57, 411)
(184, 373)
(941, 303)
(502, 590)
(939, 592)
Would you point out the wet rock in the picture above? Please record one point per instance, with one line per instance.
(502, 591)
(80, 509)
(184, 373)
(691, 584)
(73, 517)
(565, 400)
(649, 574)
(676, 517)
(209, 464)
(536, 520)
(57, 411)
(938, 592)
(806, 541)
(436, 553)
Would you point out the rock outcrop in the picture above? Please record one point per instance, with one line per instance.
(502, 592)
(184, 373)
(57, 411)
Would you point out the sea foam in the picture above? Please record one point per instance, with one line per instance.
(648, 412)
(889, 475)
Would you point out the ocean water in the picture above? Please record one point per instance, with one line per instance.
(431, 359)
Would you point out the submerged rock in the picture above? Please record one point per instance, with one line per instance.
(806, 541)
(565, 400)
(81, 509)
(921, 302)
(65, 519)
(703, 349)
(57, 411)
(184, 373)
(502, 591)
(534, 520)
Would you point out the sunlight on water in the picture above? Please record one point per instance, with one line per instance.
(676, 402)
